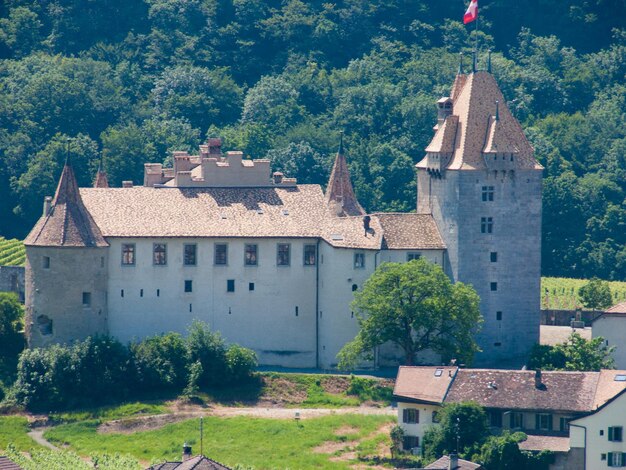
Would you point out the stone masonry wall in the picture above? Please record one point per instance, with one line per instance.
(12, 280)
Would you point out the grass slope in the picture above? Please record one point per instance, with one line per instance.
(12, 252)
(560, 293)
(13, 430)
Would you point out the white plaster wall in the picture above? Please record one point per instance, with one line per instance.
(612, 329)
(400, 256)
(425, 419)
(613, 414)
(263, 319)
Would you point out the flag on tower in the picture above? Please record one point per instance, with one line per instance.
(472, 12)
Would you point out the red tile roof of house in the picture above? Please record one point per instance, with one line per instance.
(424, 384)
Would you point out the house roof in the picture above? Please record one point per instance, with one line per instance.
(8, 464)
(410, 231)
(424, 384)
(552, 443)
(444, 464)
(443, 141)
(477, 131)
(198, 462)
(68, 223)
(617, 308)
(339, 192)
(289, 212)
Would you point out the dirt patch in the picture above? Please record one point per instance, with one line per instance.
(345, 430)
(335, 385)
(280, 391)
(143, 423)
(332, 447)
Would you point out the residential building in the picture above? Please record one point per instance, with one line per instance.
(611, 326)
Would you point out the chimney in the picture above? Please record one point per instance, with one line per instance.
(47, 205)
(127, 184)
(366, 223)
(186, 452)
(278, 177)
(454, 461)
(538, 383)
(215, 146)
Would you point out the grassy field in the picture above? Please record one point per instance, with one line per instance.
(12, 252)
(13, 431)
(560, 293)
(257, 442)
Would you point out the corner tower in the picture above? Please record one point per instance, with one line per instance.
(482, 185)
(339, 192)
(66, 259)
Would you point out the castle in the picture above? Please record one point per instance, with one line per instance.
(272, 264)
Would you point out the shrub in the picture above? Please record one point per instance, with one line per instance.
(209, 349)
(161, 362)
(240, 363)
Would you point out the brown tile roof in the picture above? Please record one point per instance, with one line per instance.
(444, 464)
(339, 192)
(410, 231)
(424, 384)
(299, 211)
(474, 104)
(443, 141)
(608, 387)
(198, 462)
(552, 443)
(8, 464)
(101, 180)
(617, 308)
(68, 223)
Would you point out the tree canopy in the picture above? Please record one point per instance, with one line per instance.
(417, 308)
(596, 294)
(576, 353)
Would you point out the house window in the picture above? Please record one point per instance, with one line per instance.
(86, 299)
(188, 286)
(615, 433)
(250, 255)
(283, 257)
(128, 254)
(359, 260)
(409, 442)
(498, 316)
(159, 254)
(516, 420)
(543, 422)
(189, 255)
(486, 224)
(488, 193)
(616, 459)
(310, 255)
(230, 285)
(495, 419)
(564, 424)
(494, 286)
(435, 418)
(494, 256)
(221, 254)
(412, 256)
(46, 262)
(410, 416)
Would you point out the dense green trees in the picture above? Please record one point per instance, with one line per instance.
(576, 353)
(281, 78)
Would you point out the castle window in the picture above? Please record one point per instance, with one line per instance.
(122, 293)
(86, 299)
(494, 256)
(140, 292)
(189, 254)
(128, 254)
(283, 254)
(494, 286)
(410, 416)
(251, 286)
(488, 193)
(45, 262)
(250, 255)
(221, 254)
(159, 254)
(188, 286)
(498, 316)
(359, 260)
(158, 292)
(486, 224)
(354, 287)
(296, 310)
(310, 255)
(230, 285)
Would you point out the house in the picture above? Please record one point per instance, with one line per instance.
(272, 264)
(611, 325)
(453, 462)
(538, 403)
(189, 462)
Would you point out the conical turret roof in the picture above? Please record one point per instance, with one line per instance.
(68, 222)
(101, 180)
(339, 192)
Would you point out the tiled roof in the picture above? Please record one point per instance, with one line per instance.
(474, 104)
(552, 443)
(101, 180)
(608, 387)
(443, 142)
(444, 464)
(68, 223)
(198, 462)
(618, 308)
(339, 192)
(424, 384)
(299, 211)
(410, 231)
(8, 464)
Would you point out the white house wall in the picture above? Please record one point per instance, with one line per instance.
(612, 329)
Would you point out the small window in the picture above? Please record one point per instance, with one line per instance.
(140, 292)
(128, 254)
(190, 307)
(251, 286)
(615, 433)
(230, 285)
(359, 260)
(564, 424)
(410, 416)
(494, 256)
(159, 254)
(616, 459)
(486, 224)
(494, 286)
(497, 344)
(435, 417)
(189, 254)
(310, 255)
(158, 292)
(412, 256)
(122, 293)
(297, 310)
(45, 262)
(543, 422)
(516, 420)
(495, 419)
(354, 287)
(188, 286)
(250, 255)
(283, 255)
(498, 316)
(602, 456)
(410, 442)
(488, 193)
(221, 254)
(86, 299)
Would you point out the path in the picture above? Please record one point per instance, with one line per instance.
(37, 435)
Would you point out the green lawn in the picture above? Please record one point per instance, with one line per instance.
(261, 443)
(13, 430)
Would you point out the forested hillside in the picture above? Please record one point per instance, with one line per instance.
(131, 80)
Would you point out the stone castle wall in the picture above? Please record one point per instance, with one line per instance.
(12, 280)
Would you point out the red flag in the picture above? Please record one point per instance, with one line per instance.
(472, 12)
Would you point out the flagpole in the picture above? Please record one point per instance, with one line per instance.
(476, 36)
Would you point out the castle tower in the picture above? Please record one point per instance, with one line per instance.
(482, 185)
(66, 259)
(339, 192)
